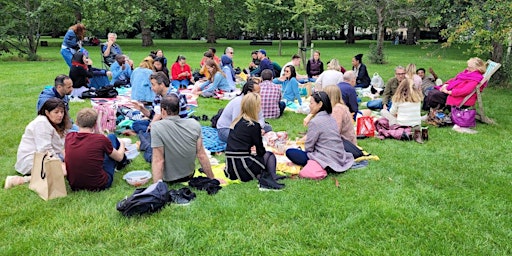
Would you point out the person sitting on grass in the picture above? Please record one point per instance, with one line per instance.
(330, 76)
(45, 133)
(181, 73)
(176, 143)
(385, 102)
(63, 86)
(406, 108)
(217, 81)
(428, 81)
(141, 86)
(91, 158)
(121, 71)
(232, 111)
(271, 104)
(290, 86)
(323, 143)
(314, 67)
(158, 65)
(246, 157)
(363, 79)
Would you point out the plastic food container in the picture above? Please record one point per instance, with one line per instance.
(137, 178)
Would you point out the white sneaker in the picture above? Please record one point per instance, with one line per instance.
(12, 181)
(463, 129)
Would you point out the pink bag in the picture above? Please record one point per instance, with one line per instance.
(313, 170)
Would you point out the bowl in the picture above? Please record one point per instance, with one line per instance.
(137, 178)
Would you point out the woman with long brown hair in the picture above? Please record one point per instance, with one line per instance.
(72, 42)
(216, 82)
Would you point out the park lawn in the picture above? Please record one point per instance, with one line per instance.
(449, 196)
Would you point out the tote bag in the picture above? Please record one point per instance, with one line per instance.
(365, 126)
(47, 178)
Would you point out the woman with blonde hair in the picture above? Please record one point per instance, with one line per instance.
(141, 84)
(341, 114)
(406, 108)
(246, 157)
(410, 73)
(453, 91)
(331, 76)
(216, 82)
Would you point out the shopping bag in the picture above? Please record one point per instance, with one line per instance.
(365, 126)
(464, 117)
(47, 178)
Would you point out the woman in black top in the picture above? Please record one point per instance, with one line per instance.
(246, 157)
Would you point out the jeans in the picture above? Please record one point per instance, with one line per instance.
(109, 164)
(67, 55)
(282, 106)
(145, 145)
(140, 125)
(377, 104)
(297, 156)
(180, 83)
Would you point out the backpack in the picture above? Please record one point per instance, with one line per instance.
(106, 117)
(106, 92)
(145, 200)
(216, 117)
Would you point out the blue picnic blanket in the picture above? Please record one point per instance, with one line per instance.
(211, 139)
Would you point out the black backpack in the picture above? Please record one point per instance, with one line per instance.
(145, 200)
(216, 117)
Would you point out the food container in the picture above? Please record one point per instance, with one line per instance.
(137, 178)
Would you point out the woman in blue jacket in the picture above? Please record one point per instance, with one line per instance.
(216, 82)
(72, 42)
(289, 85)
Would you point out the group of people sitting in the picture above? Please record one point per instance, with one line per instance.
(401, 101)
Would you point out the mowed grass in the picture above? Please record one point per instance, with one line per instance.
(449, 196)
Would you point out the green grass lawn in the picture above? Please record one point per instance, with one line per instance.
(449, 196)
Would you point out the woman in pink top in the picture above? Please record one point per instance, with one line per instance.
(341, 114)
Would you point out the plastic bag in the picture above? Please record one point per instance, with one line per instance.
(365, 126)
(377, 81)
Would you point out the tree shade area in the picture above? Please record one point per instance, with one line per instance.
(485, 25)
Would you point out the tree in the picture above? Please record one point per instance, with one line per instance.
(486, 26)
(305, 9)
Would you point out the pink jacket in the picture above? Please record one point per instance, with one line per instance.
(462, 85)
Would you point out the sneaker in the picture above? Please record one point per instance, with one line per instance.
(12, 181)
(177, 197)
(359, 165)
(267, 183)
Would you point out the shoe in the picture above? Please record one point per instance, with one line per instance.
(424, 133)
(123, 163)
(204, 117)
(12, 181)
(177, 197)
(359, 165)
(463, 129)
(267, 183)
(417, 135)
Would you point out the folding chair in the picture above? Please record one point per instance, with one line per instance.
(492, 67)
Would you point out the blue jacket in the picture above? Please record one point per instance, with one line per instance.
(290, 89)
(70, 40)
(219, 82)
(49, 93)
(141, 85)
(118, 73)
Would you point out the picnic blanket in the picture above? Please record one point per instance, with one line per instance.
(211, 139)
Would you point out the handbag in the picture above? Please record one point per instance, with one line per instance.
(365, 126)
(464, 117)
(47, 178)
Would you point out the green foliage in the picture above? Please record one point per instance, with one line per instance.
(375, 57)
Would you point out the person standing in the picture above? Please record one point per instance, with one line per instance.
(72, 42)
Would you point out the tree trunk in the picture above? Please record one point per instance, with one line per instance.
(499, 77)
(211, 25)
(350, 33)
(305, 40)
(410, 34)
(280, 43)
(184, 28)
(380, 32)
(147, 40)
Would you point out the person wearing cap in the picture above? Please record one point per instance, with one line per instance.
(265, 63)
(363, 79)
(181, 73)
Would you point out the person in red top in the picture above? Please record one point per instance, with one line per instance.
(92, 158)
(181, 73)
